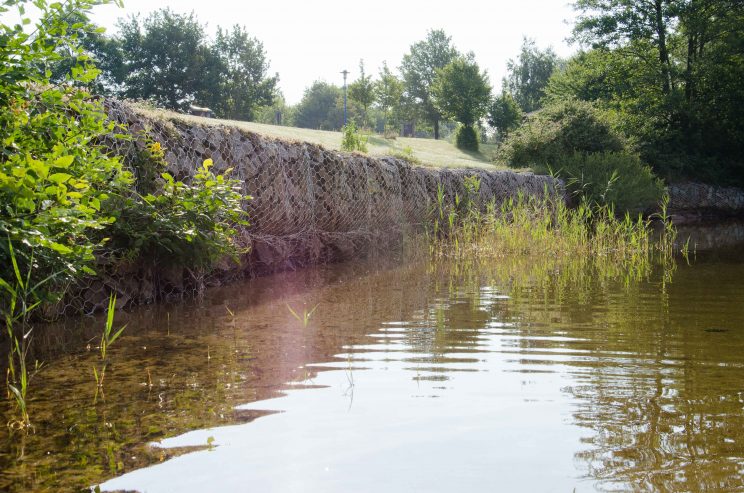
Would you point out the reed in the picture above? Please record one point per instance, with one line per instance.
(108, 337)
(17, 302)
(545, 227)
(304, 319)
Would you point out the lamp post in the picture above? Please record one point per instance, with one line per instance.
(345, 73)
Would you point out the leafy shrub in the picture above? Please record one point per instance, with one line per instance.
(55, 177)
(557, 131)
(617, 179)
(174, 223)
(407, 155)
(63, 198)
(352, 140)
(466, 138)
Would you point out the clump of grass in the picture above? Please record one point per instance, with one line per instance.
(18, 302)
(406, 154)
(546, 227)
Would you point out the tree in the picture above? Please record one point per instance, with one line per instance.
(165, 58)
(241, 76)
(389, 92)
(362, 91)
(419, 68)
(168, 59)
(529, 74)
(672, 71)
(461, 91)
(319, 107)
(504, 114)
(612, 23)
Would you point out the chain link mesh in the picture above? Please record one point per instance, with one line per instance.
(309, 204)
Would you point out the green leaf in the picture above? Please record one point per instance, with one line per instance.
(59, 177)
(60, 248)
(63, 161)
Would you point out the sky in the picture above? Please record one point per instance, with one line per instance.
(315, 40)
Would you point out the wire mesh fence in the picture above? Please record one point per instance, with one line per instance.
(309, 205)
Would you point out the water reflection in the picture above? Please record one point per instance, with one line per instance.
(510, 376)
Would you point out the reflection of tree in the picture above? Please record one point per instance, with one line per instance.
(661, 398)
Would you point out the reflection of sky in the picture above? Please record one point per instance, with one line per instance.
(490, 424)
(525, 388)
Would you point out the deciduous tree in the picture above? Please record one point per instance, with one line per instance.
(529, 74)
(362, 91)
(462, 92)
(419, 68)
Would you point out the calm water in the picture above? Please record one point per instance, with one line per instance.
(491, 376)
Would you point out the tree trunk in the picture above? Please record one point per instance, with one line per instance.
(663, 51)
(436, 129)
(691, 52)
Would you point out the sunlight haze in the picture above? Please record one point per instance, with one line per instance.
(308, 41)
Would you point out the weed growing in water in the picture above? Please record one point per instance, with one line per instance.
(305, 318)
(547, 228)
(18, 302)
(107, 339)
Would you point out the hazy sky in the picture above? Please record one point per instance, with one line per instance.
(310, 40)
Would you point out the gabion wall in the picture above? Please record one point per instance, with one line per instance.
(309, 204)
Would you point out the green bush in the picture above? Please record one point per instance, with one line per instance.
(173, 223)
(557, 131)
(466, 138)
(64, 199)
(618, 179)
(55, 177)
(352, 140)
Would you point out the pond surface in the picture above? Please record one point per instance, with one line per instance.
(412, 376)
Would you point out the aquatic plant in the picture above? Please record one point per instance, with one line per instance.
(305, 318)
(108, 337)
(546, 227)
(19, 300)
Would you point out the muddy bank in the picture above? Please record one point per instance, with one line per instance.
(310, 205)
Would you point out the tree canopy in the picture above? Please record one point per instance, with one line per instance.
(528, 75)
(362, 91)
(419, 68)
(672, 71)
(167, 58)
(319, 107)
(461, 91)
(389, 93)
(504, 114)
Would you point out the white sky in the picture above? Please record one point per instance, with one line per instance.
(311, 40)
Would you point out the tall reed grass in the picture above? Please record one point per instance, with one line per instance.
(546, 228)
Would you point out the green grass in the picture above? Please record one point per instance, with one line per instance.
(569, 240)
(429, 152)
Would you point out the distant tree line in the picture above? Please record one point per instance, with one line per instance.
(667, 74)
(168, 59)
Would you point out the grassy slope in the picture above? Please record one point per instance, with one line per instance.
(435, 153)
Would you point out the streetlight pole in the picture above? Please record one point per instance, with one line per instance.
(345, 73)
